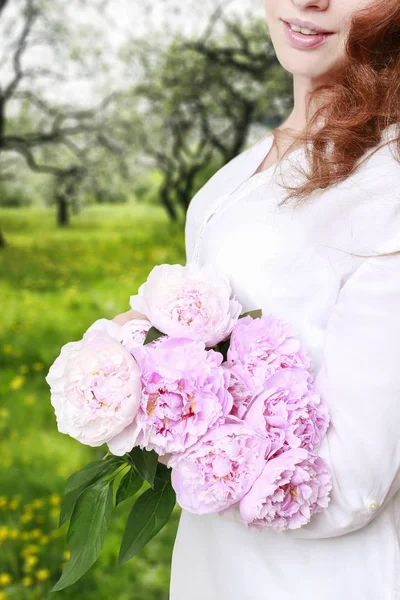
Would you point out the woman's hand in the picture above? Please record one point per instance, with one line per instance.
(123, 318)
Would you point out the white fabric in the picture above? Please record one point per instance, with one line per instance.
(294, 262)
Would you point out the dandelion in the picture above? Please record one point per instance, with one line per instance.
(5, 579)
(38, 503)
(36, 533)
(42, 574)
(31, 561)
(4, 412)
(55, 499)
(26, 581)
(3, 596)
(55, 513)
(38, 366)
(30, 549)
(66, 555)
(30, 399)
(3, 501)
(17, 382)
(44, 539)
(26, 517)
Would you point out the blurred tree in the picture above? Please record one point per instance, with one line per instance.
(40, 55)
(197, 100)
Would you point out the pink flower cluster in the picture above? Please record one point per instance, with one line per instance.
(229, 397)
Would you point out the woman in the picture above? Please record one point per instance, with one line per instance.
(329, 263)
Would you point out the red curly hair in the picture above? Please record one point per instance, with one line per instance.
(361, 100)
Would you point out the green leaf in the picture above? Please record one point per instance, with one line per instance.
(255, 314)
(223, 347)
(88, 527)
(129, 485)
(163, 472)
(152, 334)
(149, 514)
(82, 479)
(145, 462)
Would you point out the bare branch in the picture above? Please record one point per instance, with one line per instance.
(21, 47)
(33, 165)
(213, 19)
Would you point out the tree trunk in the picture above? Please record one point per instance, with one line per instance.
(62, 211)
(168, 205)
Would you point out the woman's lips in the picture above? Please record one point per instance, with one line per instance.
(302, 41)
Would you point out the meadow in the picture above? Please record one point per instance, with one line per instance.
(53, 284)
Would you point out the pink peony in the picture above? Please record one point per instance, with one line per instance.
(191, 301)
(216, 472)
(289, 490)
(134, 332)
(95, 386)
(184, 395)
(258, 348)
(289, 412)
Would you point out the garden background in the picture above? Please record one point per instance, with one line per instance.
(112, 116)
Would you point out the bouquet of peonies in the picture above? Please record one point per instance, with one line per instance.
(226, 398)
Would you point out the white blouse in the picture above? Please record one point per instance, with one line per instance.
(295, 263)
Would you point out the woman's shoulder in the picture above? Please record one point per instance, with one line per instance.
(362, 212)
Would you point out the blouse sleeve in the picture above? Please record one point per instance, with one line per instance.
(359, 379)
(191, 229)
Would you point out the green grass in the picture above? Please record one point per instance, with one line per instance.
(53, 284)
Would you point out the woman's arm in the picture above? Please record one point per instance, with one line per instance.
(359, 379)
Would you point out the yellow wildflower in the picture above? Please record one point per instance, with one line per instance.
(55, 513)
(3, 596)
(24, 369)
(14, 503)
(5, 579)
(38, 503)
(30, 549)
(55, 499)
(43, 574)
(7, 349)
(17, 382)
(37, 366)
(36, 533)
(4, 412)
(3, 533)
(30, 561)
(26, 517)
(3, 501)
(27, 581)
(44, 539)
(66, 554)
(25, 535)
(30, 399)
